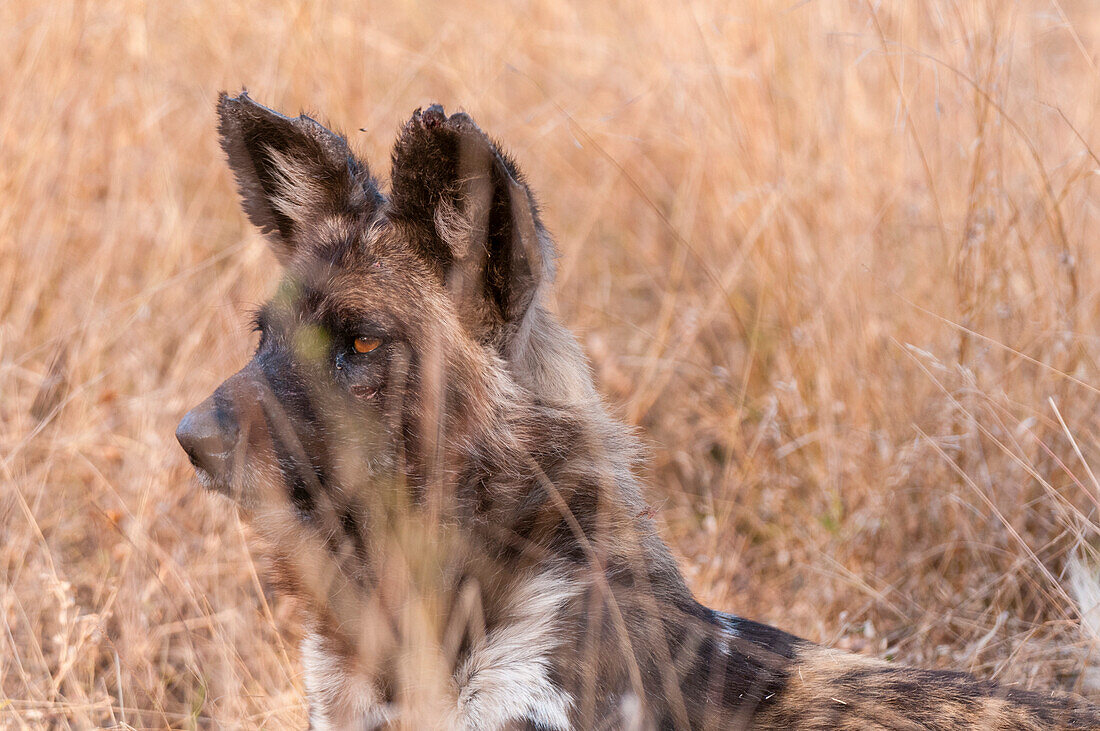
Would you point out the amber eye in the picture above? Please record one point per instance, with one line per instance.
(365, 345)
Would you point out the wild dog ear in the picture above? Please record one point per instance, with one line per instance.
(290, 171)
(473, 218)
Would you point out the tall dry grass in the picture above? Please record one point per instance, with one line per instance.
(838, 262)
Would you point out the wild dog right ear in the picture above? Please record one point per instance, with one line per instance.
(290, 170)
(473, 218)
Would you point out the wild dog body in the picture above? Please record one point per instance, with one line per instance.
(419, 443)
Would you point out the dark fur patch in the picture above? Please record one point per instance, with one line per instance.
(471, 211)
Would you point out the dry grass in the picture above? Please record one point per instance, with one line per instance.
(837, 260)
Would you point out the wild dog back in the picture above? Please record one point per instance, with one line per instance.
(418, 442)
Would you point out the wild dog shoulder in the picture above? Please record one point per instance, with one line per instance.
(828, 689)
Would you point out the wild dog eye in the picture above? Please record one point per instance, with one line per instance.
(365, 345)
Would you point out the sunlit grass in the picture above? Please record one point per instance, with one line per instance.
(837, 261)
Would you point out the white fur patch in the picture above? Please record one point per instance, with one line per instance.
(729, 624)
(296, 195)
(631, 713)
(337, 699)
(454, 227)
(1084, 583)
(507, 676)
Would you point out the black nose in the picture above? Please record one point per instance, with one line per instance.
(209, 435)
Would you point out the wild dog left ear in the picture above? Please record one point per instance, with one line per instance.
(473, 217)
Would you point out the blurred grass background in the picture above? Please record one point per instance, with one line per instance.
(836, 260)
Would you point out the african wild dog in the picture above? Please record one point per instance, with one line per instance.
(419, 443)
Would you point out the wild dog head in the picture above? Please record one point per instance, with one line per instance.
(399, 323)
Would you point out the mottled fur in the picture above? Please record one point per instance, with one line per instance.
(419, 442)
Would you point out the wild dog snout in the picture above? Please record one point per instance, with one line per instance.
(209, 435)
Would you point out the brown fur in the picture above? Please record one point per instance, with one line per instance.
(827, 689)
(454, 509)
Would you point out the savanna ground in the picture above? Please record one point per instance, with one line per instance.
(836, 260)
